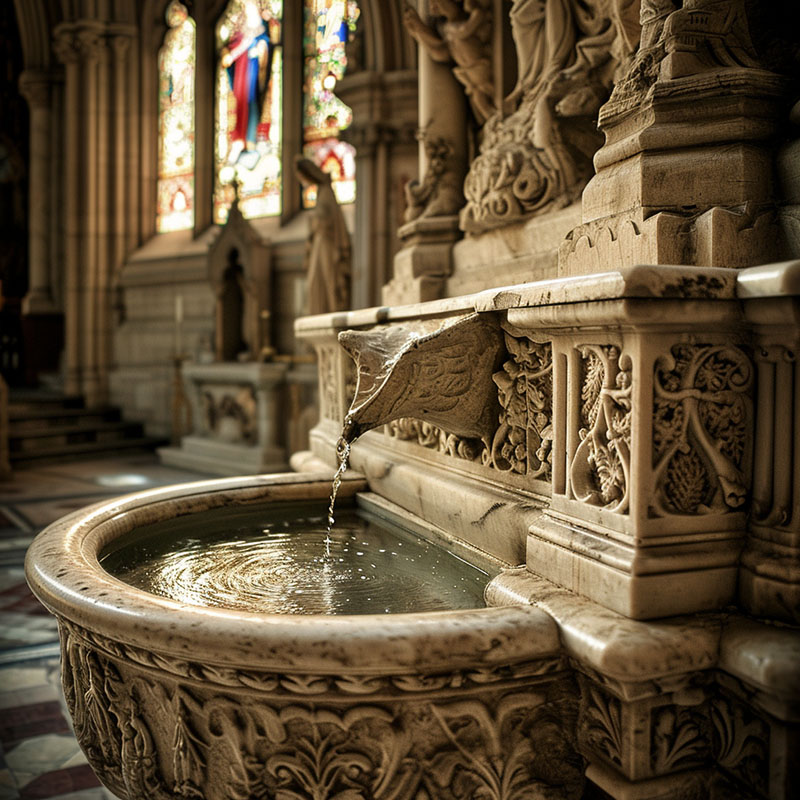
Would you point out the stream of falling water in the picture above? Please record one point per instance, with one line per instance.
(343, 452)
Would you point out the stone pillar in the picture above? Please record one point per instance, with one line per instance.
(36, 88)
(434, 200)
(650, 440)
(67, 50)
(685, 174)
(382, 132)
(769, 576)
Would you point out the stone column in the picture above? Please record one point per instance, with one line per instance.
(66, 47)
(434, 200)
(36, 88)
(769, 575)
(384, 120)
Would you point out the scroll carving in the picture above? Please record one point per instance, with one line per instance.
(435, 438)
(523, 442)
(701, 418)
(537, 155)
(439, 192)
(600, 468)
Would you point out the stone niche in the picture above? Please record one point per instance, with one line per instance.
(234, 397)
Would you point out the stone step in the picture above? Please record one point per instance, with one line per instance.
(46, 426)
(85, 449)
(47, 438)
(35, 419)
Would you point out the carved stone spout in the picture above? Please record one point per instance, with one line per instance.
(444, 377)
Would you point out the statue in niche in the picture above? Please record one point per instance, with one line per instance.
(328, 249)
(464, 37)
(537, 155)
(231, 310)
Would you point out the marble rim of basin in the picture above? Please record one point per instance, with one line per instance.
(64, 573)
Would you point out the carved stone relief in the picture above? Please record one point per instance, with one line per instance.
(150, 736)
(461, 34)
(231, 417)
(439, 192)
(740, 742)
(702, 413)
(537, 155)
(600, 469)
(434, 438)
(327, 358)
(523, 442)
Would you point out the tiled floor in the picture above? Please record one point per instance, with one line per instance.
(39, 756)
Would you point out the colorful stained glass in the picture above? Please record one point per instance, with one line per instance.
(328, 23)
(176, 61)
(248, 110)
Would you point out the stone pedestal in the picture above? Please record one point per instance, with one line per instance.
(685, 174)
(236, 419)
(421, 268)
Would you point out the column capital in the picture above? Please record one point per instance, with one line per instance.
(34, 86)
(66, 46)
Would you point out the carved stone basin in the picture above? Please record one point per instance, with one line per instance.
(172, 699)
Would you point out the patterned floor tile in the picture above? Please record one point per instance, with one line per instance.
(39, 757)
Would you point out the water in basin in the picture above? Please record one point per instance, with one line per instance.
(275, 560)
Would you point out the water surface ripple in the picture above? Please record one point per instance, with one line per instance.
(286, 566)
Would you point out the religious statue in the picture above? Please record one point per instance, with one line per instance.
(463, 37)
(247, 56)
(537, 155)
(328, 249)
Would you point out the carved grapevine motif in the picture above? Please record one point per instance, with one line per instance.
(701, 417)
(600, 468)
(523, 442)
(434, 438)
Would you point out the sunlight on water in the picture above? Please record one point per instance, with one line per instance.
(255, 561)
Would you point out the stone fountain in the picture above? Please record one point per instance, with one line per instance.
(612, 436)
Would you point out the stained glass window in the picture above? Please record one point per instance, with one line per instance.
(328, 23)
(176, 61)
(248, 109)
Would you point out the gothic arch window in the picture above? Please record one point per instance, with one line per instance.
(327, 25)
(249, 85)
(176, 63)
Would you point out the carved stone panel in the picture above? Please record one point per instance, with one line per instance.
(153, 727)
(600, 469)
(702, 413)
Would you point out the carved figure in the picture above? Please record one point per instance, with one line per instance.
(463, 37)
(438, 193)
(539, 157)
(328, 248)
